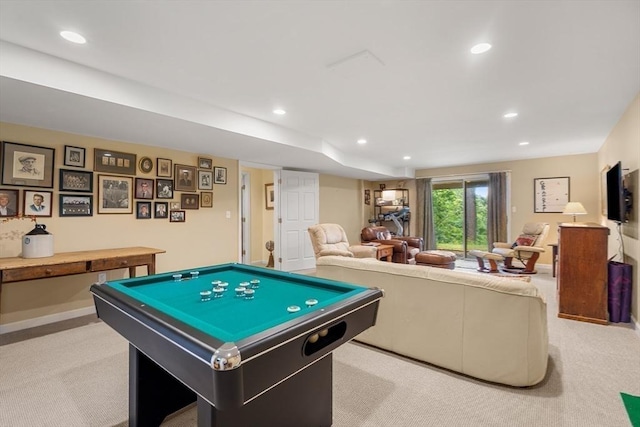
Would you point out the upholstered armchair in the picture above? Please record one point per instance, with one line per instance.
(526, 249)
(404, 248)
(331, 239)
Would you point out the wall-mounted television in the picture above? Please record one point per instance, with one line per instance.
(618, 198)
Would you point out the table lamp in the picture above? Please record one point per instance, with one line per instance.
(574, 208)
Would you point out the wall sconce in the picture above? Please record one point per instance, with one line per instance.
(574, 208)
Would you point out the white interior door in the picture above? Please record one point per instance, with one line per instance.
(298, 208)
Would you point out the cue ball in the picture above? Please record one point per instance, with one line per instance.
(313, 338)
(324, 332)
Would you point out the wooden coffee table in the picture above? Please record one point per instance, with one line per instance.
(385, 251)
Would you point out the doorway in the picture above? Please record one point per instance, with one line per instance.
(460, 214)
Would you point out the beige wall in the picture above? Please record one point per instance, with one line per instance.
(623, 144)
(261, 219)
(207, 234)
(583, 187)
(342, 202)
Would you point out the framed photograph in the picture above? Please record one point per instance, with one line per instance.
(143, 210)
(73, 180)
(164, 167)
(184, 178)
(174, 206)
(146, 164)
(205, 163)
(75, 205)
(220, 175)
(177, 216)
(550, 194)
(9, 202)
(269, 196)
(27, 165)
(74, 156)
(189, 201)
(367, 197)
(37, 203)
(115, 194)
(164, 188)
(161, 210)
(206, 199)
(205, 180)
(114, 162)
(144, 188)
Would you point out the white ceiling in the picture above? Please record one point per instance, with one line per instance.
(204, 76)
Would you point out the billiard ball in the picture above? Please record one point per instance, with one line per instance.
(313, 338)
(323, 333)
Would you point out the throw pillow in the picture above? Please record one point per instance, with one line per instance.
(524, 240)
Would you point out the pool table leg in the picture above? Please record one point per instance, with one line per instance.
(153, 393)
(303, 400)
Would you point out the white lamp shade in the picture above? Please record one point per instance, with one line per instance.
(574, 208)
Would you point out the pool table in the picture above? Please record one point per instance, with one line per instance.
(258, 356)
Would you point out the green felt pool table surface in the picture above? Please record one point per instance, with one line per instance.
(233, 318)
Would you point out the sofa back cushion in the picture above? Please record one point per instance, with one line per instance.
(375, 233)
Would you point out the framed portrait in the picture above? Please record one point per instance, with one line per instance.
(144, 188)
(75, 205)
(164, 188)
(143, 210)
(205, 163)
(220, 175)
(37, 203)
(164, 167)
(174, 206)
(9, 202)
(367, 197)
(205, 180)
(114, 162)
(161, 210)
(74, 156)
(269, 196)
(184, 178)
(146, 164)
(551, 195)
(189, 201)
(206, 199)
(27, 165)
(115, 194)
(177, 216)
(74, 180)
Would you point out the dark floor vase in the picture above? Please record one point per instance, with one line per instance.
(619, 292)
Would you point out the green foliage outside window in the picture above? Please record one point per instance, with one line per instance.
(448, 209)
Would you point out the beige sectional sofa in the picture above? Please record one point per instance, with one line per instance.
(488, 327)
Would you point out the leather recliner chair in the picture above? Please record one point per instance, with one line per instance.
(405, 248)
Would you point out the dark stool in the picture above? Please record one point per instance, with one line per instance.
(440, 259)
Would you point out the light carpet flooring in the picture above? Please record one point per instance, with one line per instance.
(78, 377)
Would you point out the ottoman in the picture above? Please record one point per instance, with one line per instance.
(489, 256)
(440, 259)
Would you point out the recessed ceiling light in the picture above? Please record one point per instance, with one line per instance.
(524, 143)
(362, 141)
(510, 115)
(407, 157)
(279, 112)
(480, 48)
(73, 37)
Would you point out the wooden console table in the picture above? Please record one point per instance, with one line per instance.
(69, 263)
(385, 251)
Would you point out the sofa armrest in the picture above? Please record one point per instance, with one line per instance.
(528, 249)
(415, 242)
(364, 251)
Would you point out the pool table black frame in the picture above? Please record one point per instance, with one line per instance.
(276, 384)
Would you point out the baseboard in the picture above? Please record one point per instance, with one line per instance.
(45, 320)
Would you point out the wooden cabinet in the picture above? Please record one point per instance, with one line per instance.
(582, 272)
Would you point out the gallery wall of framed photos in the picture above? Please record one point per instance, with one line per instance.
(95, 193)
